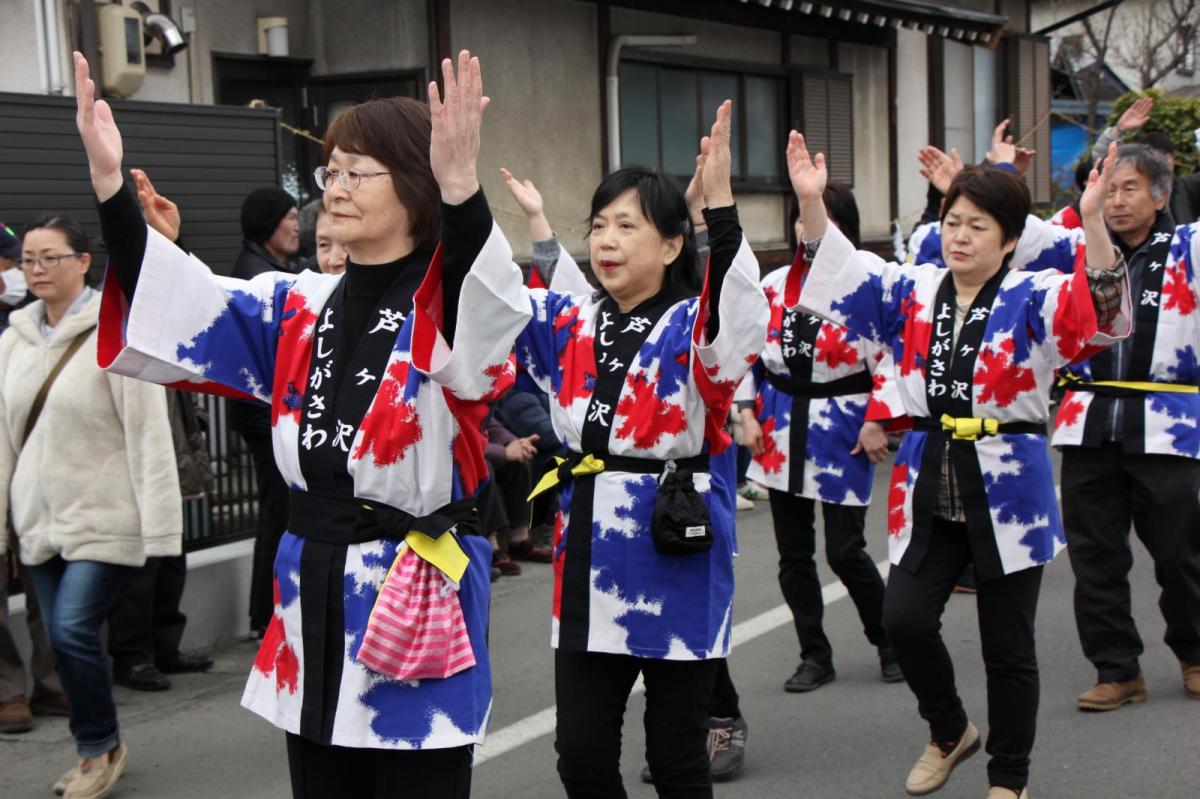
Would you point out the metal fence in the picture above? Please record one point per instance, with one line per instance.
(230, 512)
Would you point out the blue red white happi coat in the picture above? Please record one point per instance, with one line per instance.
(1169, 422)
(417, 448)
(1038, 322)
(674, 401)
(824, 352)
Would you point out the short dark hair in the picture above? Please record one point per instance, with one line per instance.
(395, 131)
(1001, 194)
(662, 202)
(841, 207)
(77, 238)
(1158, 141)
(1083, 170)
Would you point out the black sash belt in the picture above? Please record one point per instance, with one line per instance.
(341, 520)
(857, 383)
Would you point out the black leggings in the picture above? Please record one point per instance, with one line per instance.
(325, 772)
(845, 549)
(1007, 607)
(592, 689)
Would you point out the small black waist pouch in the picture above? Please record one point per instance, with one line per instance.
(682, 524)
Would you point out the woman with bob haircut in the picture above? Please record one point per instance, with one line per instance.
(375, 662)
(641, 376)
(976, 347)
(812, 410)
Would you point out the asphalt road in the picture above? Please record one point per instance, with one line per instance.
(856, 737)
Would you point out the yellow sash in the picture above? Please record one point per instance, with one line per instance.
(1131, 385)
(588, 464)
(969, 428)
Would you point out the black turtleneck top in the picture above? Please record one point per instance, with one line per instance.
(465, 229)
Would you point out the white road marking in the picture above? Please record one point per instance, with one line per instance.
(541, 723)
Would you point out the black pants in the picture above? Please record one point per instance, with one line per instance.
(336, 772)
(508, 505)
(845, 549)
(725, 696)
(912, 616)
(591, 691)
(272, 523)
(145, 624)
(1103, 492)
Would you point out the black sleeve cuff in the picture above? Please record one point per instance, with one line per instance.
(465, 229)
(124, 231)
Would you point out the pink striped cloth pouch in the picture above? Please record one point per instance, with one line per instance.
(416, 630)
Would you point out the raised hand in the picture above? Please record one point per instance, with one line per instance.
(161, 213)
(717, 159)
(808, 173)
(457, 114)
(530, 201)
(1091, 209)
(1091, 204)
(524, 192)
(1002, 149)
(695, 194)
(99, 133)
(939, 168)
(1136, 115)
(1024, 159)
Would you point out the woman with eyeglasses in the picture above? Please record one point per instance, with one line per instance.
(375, 663)
(87, 471)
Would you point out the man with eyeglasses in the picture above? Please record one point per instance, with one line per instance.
(271, 230)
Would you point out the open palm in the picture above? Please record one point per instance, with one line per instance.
(161, 213)
(98, 130)
(1092, 201)
(808, 173)
(456, 115)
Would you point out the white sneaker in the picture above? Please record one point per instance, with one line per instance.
(752, 491)
(743, 503)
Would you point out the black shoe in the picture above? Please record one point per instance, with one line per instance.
(809, 677)
(889, 667)
(141, 677)
(726, 747)
(185, 664)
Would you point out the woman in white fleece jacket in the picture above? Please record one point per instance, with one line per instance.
(93, 489)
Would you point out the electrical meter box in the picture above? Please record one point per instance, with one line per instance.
(122, 52)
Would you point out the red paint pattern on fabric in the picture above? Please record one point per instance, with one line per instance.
(1069, 413)
(391, 426)
(1000, 381)
(577, 360)
(560, 561)
(832, 348)
(469, 442)
(276, 655)
(897, 519)
(772, 458)
(292, 358)
(917, 334)
(646, 417)
(1074, 321)
(1177, 292)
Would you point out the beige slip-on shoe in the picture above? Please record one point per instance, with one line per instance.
(1006, 793)
(933, 768)
(60, 785)
(1111, 695)
(98, 780)
(1191, 679)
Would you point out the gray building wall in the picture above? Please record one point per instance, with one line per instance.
(544, 122)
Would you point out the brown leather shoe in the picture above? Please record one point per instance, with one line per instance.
(50, 705)
(933, 768)
(1191, 679)
(15, 715)
(1111, 695)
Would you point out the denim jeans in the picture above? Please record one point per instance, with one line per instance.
(76, 597)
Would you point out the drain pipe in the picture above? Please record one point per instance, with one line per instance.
(40, 35)
(613, 81)
(50, 26)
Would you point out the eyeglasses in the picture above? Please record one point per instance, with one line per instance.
(348, 180)
(47, 261)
